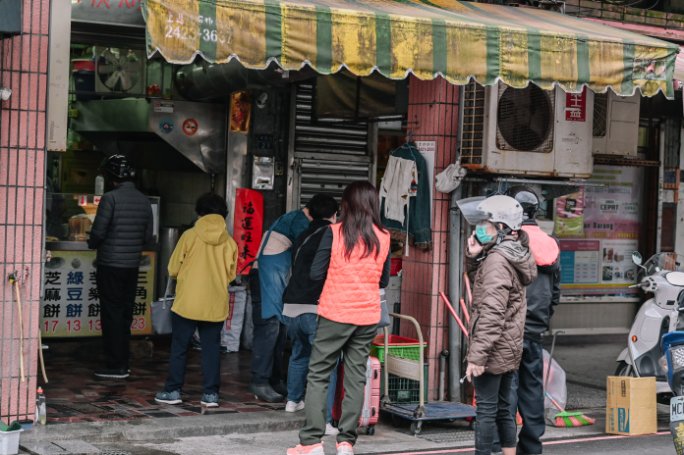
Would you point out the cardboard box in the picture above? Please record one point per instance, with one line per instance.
(631, 405)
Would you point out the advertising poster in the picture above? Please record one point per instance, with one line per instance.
(248, 226)
(598, 228)
(70, 305)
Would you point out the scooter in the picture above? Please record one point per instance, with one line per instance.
(673, 346)
(663, 277)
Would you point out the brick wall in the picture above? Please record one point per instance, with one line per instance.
(432, 116)
(23, 69)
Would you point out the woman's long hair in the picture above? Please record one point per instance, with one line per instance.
(360, 211)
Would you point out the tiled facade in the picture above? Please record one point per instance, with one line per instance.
(432, 116)
(23, 69)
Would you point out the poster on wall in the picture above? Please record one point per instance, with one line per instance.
(598, 228)
(248, 226)
(240, 112)
(70, 305)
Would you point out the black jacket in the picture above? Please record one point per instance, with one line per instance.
(301, 289)
(122, 227)
(543, 294)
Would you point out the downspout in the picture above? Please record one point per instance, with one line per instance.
(454, 271)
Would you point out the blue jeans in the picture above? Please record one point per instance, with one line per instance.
(302, 331)
(210, 338)
(493, 392)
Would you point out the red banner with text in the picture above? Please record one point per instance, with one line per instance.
(248, 226)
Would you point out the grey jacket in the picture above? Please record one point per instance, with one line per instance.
(122, 227)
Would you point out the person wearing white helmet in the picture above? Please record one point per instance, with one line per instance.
(498, 256)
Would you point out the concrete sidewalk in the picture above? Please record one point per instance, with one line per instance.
(587, 361)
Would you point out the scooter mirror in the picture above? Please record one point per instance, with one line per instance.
(637, 258)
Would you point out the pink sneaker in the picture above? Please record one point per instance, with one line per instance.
(313, 449)
(345, 448)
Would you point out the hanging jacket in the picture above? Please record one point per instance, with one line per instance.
(498, 318)
(122, 227)
(204, 262)
(351, 293)
(543, 294)
(418, 220)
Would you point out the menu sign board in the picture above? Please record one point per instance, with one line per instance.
(70, 304)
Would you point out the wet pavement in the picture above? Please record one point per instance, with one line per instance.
(75, 395)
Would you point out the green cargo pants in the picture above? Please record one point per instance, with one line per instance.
(333, 338)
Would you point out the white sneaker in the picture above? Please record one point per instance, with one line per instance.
(345, 448)
(330, 430)
(294, 406)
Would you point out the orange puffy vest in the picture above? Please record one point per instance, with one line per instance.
(351, 294)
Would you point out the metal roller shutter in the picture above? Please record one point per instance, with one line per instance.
(325, 155)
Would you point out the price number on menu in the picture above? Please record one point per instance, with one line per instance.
(138, 323)
(50, 325)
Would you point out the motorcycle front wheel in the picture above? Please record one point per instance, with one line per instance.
(624, 369)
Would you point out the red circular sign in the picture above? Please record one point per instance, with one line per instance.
(190, 127)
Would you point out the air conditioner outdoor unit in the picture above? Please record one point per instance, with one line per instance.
(119, 71)
(616, 124)
(527, 131)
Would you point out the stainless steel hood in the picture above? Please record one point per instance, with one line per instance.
(196, 130)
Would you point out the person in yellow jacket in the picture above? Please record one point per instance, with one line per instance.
(203, 263)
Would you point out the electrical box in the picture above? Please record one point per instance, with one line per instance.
(263, 173)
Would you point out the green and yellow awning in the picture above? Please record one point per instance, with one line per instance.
(428, 38)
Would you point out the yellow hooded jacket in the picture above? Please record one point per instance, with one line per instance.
(204, 263)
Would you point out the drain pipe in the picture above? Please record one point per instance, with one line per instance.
(455, 261)
(454, 271)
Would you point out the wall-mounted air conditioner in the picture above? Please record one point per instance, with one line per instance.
(616, 124)
(527, 131)
(119, 71)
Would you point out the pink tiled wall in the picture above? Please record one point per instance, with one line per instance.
(432, 116)
(23, 69)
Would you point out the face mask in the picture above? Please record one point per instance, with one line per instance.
(482, 235)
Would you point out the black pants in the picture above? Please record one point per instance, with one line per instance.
(530, 398)
(268, 349)
(210, 338)
(493, 396)
(116, 287)
(527, 396)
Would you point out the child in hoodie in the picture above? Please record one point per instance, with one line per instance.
(203, 263)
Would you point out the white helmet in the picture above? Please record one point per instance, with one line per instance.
(503, 209)
(496, 209)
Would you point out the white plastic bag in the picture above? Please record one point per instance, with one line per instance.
(450, 178)
(232, 329)
(248, 325)
(555, 389)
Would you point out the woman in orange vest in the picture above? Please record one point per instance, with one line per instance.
(354, 260)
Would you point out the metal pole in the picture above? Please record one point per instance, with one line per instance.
(454, 271)
(454, 294)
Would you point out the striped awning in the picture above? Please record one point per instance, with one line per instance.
(453, 39)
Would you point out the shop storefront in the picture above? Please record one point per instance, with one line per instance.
(233, 96)
(442, 43)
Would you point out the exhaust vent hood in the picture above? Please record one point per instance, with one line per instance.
(196, 130)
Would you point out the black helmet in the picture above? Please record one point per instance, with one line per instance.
(118, 167)
(527, 198)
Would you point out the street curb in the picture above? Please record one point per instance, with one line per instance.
(157, 429)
